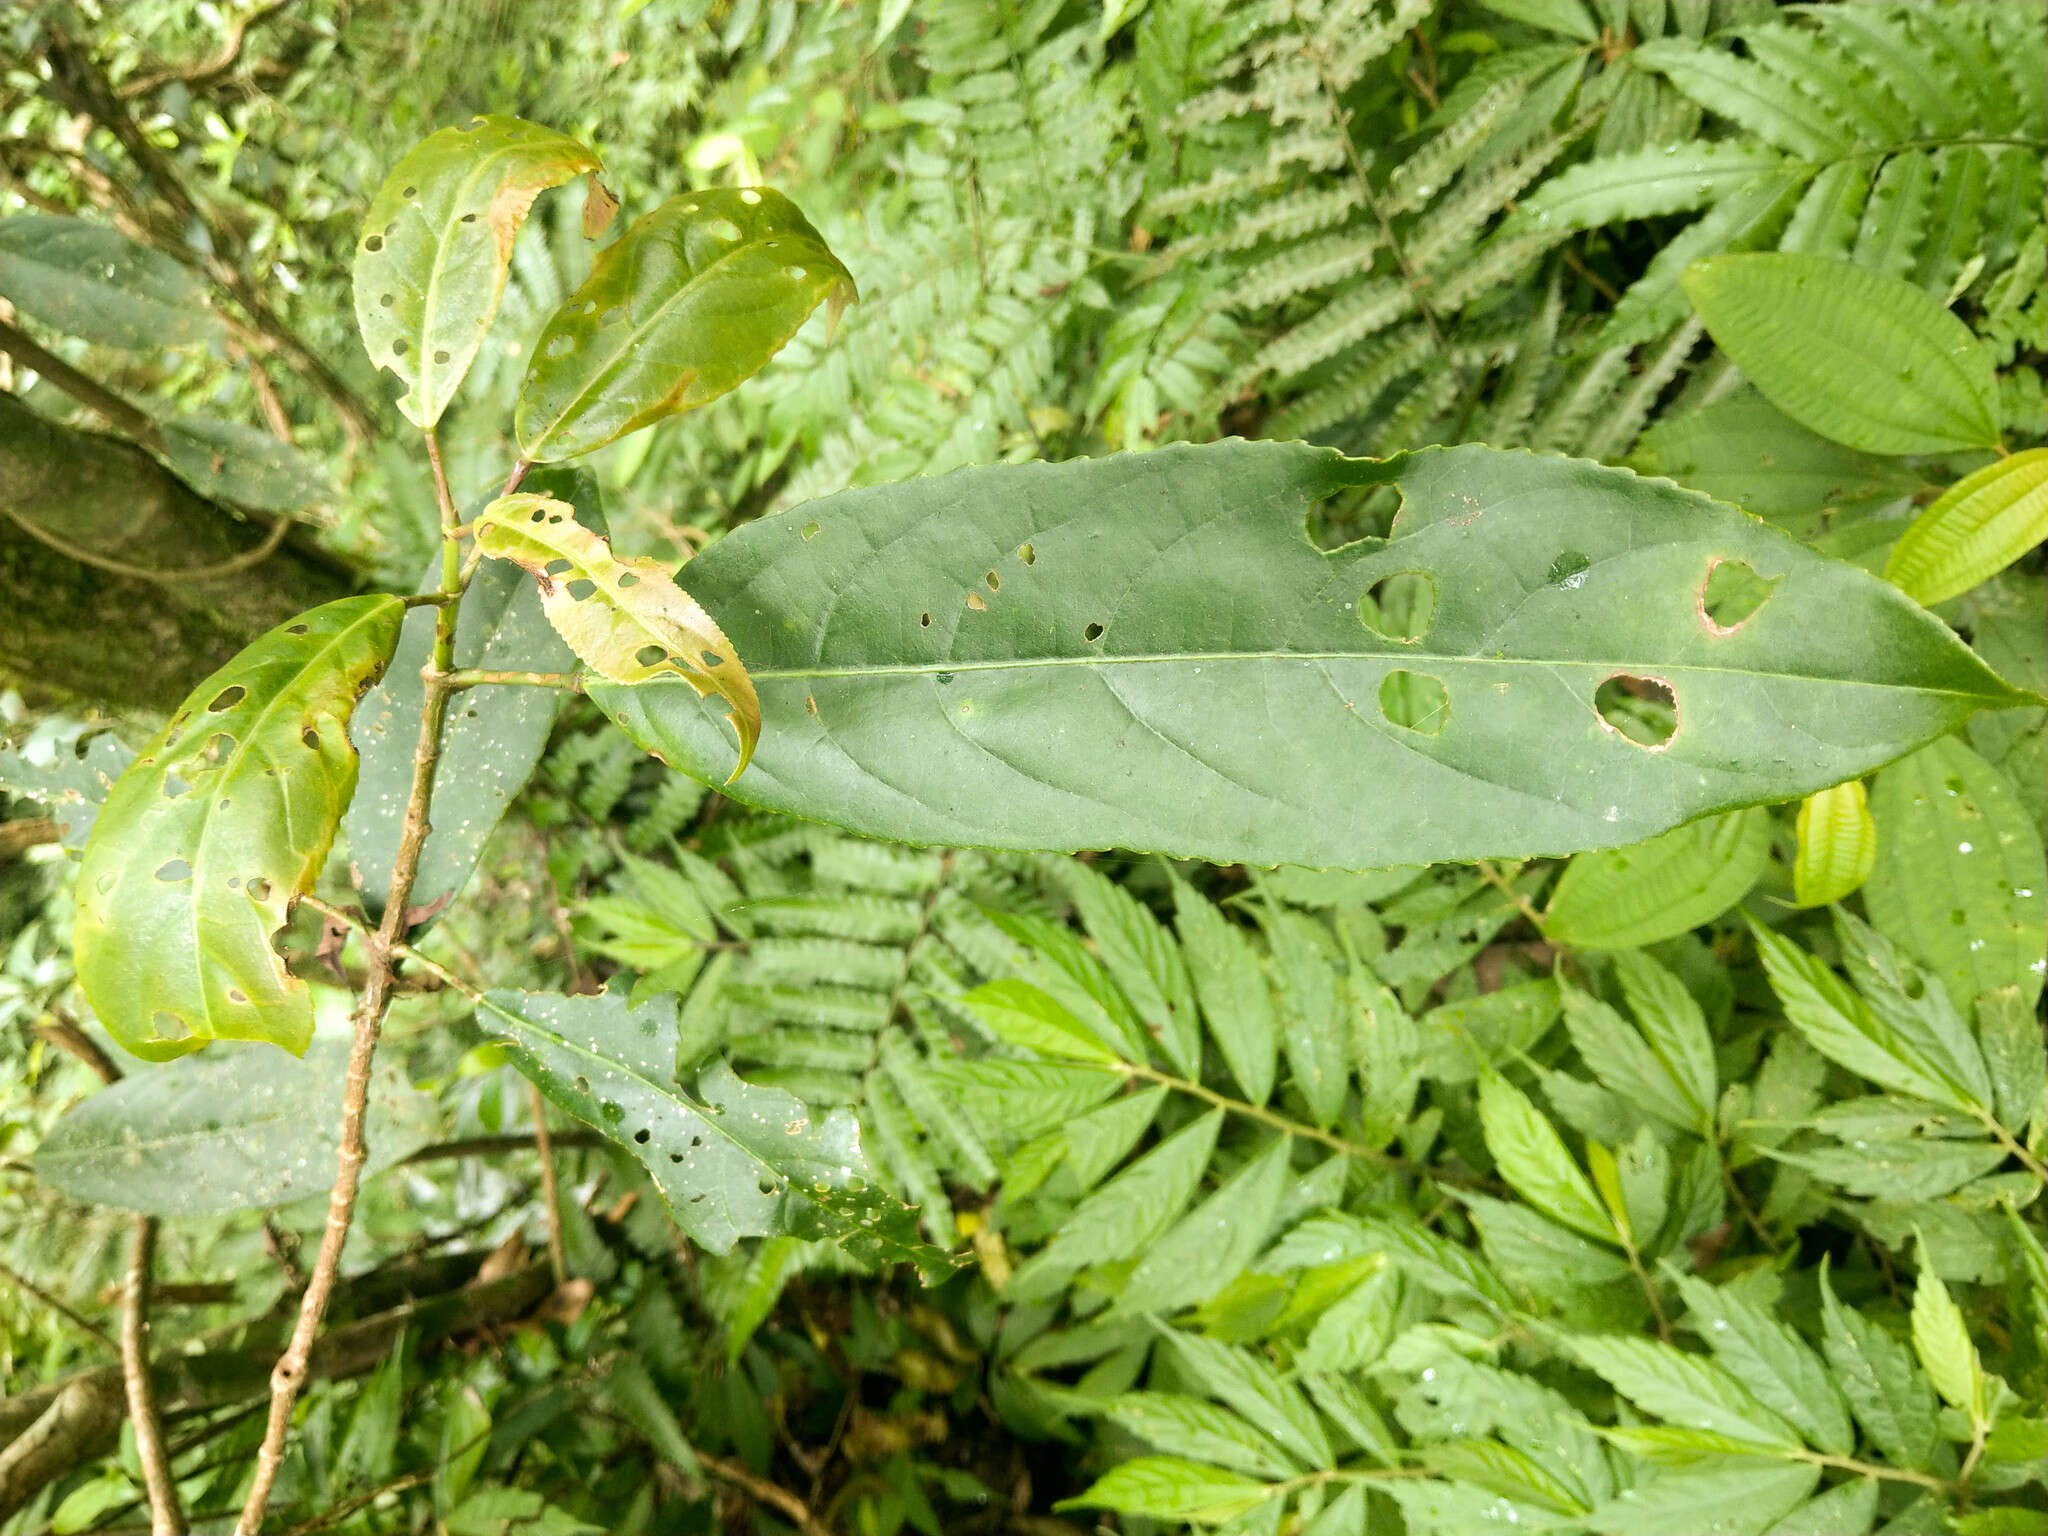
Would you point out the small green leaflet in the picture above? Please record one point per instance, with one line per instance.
(1532, 1157)
(1981, 524)
(1143, 651)
(1019, 1014)
(1171, 1488)
(1863, 358)
(430, 265)
(739, 1161)
(692, 300)
(216, 829)
(1941, 1338)
(1623, 898)
(1837, 845)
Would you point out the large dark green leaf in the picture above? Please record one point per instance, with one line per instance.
(493, 736)
(91, 282)
(232, 462)
(216, 828)
(225, 1132)
(739, 1160)
(430, 267)
(1863, 358)
(693, 299)
(1145, 651)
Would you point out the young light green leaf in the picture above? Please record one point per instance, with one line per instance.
(1310, 1005)
(216, 829)
(1837, 845)
(1248, 1383)
(1840, 1025)
(436, 243)
(1532, 1157)
(1171, 1488)
(1355, 1332)
(94, 283)
(1157, 629)
(1671, 1020)
(1861, 357)
(1891, 1399)
(1686, 1390)
(1461, 1039)
(1018, 1014)
(1941, 1338)
(219, 1132)
(1622, 898)
(1713, 1496)
(1236, 1001)
(1200, 1431)
(1016, 1100)
(1142, 957)
(1778, 1367)
(2009, 1035)
(1958, 881)
(1914, 1010)
(492, 738)
(630, 623)
(1214, 1241)
(1121, 1219)
(1627, 1064)
(1981, 524)
(693, 299)
(742, 1161)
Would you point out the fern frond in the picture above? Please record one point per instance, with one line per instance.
(1895, 219)
(803, 962)
(1369, 307)
(1425, 406)
(951, 1132)
(1745, 220)
(827, 1050)
(1956, 215)
(1481, 193)
(1747, 93)
(1564, 424)
(909, 1168)
(1826, 220)
(1502, 260)
(1417, 179)
(1516, 396)
(1651, 183)
(1284, 218)
(1353, 392)
(1928, 98)
(1615, 431)
(1834, 80)
(1303, 268)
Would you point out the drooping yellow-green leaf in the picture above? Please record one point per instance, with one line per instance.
(1621, 898)
(213, 832)
(1981, 524)
(430, 265)
(626, 619)
(1863, 358)
(1837, 845)
(1532, 1158)
(693, 299)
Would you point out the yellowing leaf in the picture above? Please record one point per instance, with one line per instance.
(1980, 525)
(430, 267)
(690, 302)
(626, 619)
(1532, 1158)
(1941, 1338)
(216, 828)
(1837, 845)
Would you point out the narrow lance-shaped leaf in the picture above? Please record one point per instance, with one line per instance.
(627, 619)
(1145, 652)
(691, 301)
(1866, 359)
(211, 834)
(738, 1161)
(1837, 845)
(1532, 1157)
(1981, 524)
(430, 267)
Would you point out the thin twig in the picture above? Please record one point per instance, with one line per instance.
(166, 1516)
(290, 1371)
(113, 567)
(56, 1304)
(473, 677)
(1506, 887)
(558, 1260)
(62, 1031)
(212, 67)
(762, 1491)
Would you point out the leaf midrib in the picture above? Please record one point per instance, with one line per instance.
(630, 338)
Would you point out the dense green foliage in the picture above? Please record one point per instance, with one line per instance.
(1682, 1172)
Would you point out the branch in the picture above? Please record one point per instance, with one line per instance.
(57, 1304)
(166, 1517)
(290, 1372)
(763, 1492)
(214, 65)
(120, 414)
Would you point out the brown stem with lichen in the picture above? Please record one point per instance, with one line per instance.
(166, 1516)
(384, 954)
